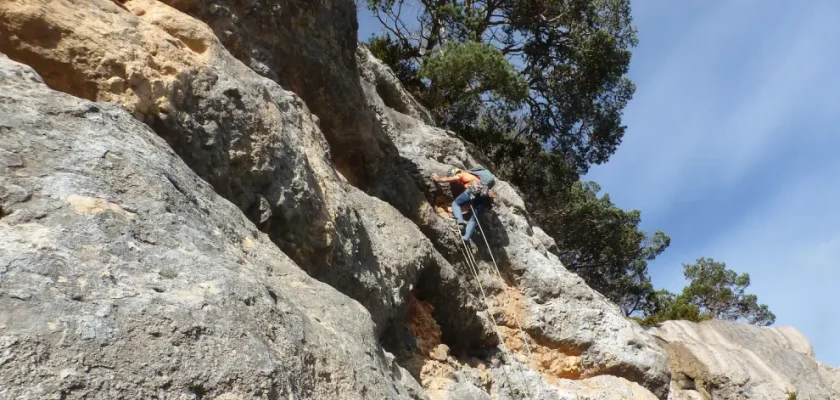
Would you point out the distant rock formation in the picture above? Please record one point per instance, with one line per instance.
(727, 360)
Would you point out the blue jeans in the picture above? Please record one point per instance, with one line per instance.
(477, 207)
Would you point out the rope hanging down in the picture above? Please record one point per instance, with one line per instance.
(467, 254)
(499, 274)
(473, 265)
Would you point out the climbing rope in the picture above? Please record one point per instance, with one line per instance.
(473, 265)
(510, 298)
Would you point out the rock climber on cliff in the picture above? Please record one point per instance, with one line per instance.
(477, 183)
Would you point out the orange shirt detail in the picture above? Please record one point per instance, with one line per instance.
(467, 179)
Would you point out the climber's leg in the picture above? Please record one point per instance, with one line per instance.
(456, 206)
(477, 208)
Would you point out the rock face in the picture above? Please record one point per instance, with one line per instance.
(726, 360)
(254, 142)
(309, 48)
(257, 144)
(555, 306)
(209, 236)
(123, 274)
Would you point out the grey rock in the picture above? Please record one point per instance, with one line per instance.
(728, 360)
(465, 391)
(254, 142)
(389, 89)
(286, 41)
(525, 383)
(141, 282)
(511, 380)
(124, 274)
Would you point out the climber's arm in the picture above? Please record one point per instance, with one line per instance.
(447, 179)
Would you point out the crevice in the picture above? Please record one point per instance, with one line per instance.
(454, 308)
(443, 331)
(419, 346)
(390, 95)
(272, 294)
(198, 390)
(181, 190)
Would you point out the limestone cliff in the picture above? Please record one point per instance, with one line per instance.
(232, 200)
(726, 360)
(124, 275)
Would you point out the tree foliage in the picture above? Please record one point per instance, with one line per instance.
(540, 86)
(713, 292)
(468, 78)
(602, 243)
(572, 55)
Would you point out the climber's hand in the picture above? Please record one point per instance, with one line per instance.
(435, 177)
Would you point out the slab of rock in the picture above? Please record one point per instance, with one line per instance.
(256, 143)
(513, 382)
(124, 275)
(728, 360)
(309, 48)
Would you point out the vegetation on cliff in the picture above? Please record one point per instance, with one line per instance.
(713, 292)
(540, 86)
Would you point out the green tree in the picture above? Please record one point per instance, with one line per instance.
(469, 78)
(601, 242)
(720, 293)
(572, 55)
(666, 306)
(713, 292)
(539, 86)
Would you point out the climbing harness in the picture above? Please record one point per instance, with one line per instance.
(486, 181)
(473, 265)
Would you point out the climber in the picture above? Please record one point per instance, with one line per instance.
(477, 183)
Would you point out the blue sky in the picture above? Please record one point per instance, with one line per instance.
(733, 148)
